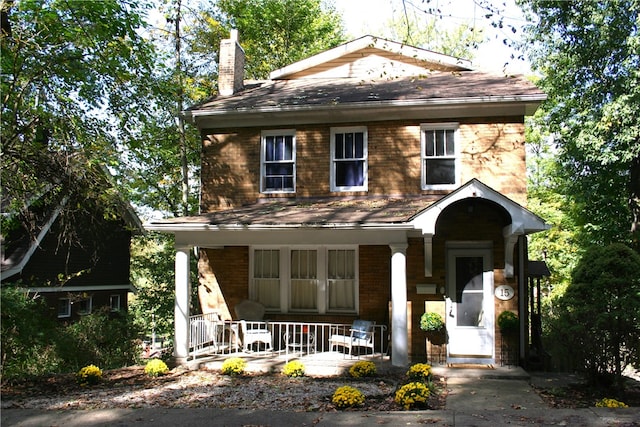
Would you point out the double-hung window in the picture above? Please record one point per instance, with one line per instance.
(278, 161)
(266, 277)
(306, 280)
(440, 169)
(349, 159)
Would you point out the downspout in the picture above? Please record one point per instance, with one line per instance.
(523, 295)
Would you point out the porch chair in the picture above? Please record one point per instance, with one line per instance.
(254, 330)
(360, 335)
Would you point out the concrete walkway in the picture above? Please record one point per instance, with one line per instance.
(476, 397)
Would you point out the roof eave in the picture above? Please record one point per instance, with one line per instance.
(365, 111)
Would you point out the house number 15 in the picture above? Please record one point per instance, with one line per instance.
(504, 292)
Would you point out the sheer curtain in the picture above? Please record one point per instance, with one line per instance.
(304, 283)
(266, 277)
(341, 278)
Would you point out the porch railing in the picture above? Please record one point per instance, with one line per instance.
(210, 335)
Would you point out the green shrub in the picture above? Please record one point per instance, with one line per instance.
(295, 368)
(413, 395)
(89, 375)
(598, 314)
(234, 366)
(420, 372)
(508, 322)
(155, 367)
(431, 322)
(363, 368)
(347, 397)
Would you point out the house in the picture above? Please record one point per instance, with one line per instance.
(76, 259)
(371, 181)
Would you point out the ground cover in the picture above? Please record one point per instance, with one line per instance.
(131, 388)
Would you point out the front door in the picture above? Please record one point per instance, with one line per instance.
(469, 308)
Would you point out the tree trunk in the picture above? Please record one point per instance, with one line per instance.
(634, 200)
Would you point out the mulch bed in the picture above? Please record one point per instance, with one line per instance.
(132, 388)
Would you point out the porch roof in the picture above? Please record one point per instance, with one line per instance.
(308, 213)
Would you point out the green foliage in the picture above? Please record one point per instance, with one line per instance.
(597, 318)
(508, 322)
(156, 367)
(420, 372)
(294, 368)
(28, 337)
(587, 54)
(234, 366)
(413, 395)
(89, 375)
(108, 339)
(431, 322)
(274, 33)
(347, 397)
(363, 368)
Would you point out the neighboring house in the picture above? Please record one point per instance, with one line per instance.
(366, 182)
(75, 275)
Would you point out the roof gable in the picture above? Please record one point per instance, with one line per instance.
(370, 57)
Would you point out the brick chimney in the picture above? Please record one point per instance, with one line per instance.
(230, 65)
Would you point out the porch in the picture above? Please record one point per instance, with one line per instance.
(212, 340)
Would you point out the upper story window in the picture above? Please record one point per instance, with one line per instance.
(440, 160)
(349, 159)
(278, 161)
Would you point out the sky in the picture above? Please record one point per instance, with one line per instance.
(368, 17)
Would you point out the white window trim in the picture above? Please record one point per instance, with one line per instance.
(322, 274)
(365, 148)
(119, 302)
(263, 150)
(68, 313)
(457, 163)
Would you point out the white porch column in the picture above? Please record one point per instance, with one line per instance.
(181, 308)
(399, 333)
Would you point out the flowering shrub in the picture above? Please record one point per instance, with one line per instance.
(610, 403)
(89, 375)
(347, 396)
(363, 368)
(420, 372)
(295, 368)
(156, 367)
(234, 366)
(414, 394)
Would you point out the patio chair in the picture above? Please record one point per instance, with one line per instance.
(254, 330)
(360, 335)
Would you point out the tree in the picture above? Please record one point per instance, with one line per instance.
(600, 311)
(424, 31)
(73, 84)
(275, 33)
(589, 56)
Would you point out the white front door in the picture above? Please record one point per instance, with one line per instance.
(469, 308)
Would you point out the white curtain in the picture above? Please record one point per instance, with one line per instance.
(266, 277)
(304, 284)
(342, 284)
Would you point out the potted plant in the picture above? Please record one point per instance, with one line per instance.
(508, 323)
(433, 324)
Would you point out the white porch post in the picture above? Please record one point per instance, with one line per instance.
(181, 308)
(399, 333)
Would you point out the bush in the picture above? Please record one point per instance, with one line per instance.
(347, 397)
(420, 372)
(508, 322)
(89, 375)
(234, 366)
(610, 403)
(431, 322)
(413, 395)
(363, 368)
(155, 367)
(599, 312)
(294, 368)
